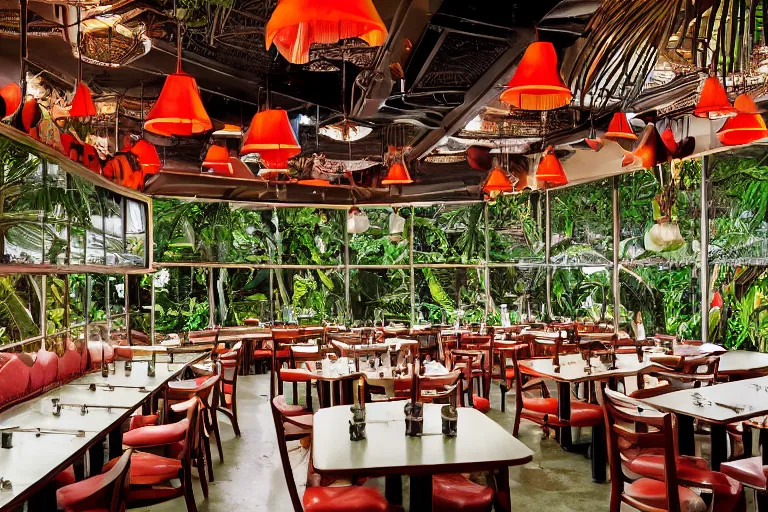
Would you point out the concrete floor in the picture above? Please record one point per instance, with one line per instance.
(252, 480)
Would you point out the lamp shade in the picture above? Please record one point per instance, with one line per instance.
(217, 159)
(668, 138)
(743, 128)
(271, 135)
(497, 181)
(397, 175)
(297, 24)
(619, 128)
(536, 84)
(147, 156)
(713, 101)
(550, 170)
(10, 99)
(82, 103)
(479, 158)
(179, 110)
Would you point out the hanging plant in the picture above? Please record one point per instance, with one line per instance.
(664, 235)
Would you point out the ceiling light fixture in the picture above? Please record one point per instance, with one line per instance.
(537, 84)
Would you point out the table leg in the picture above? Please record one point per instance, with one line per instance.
(335, 393)
(763, 436)
(393, 489)
(685, 435)
(245, 368)
(503, 500)
(564, 413)
(96, 458)
(746, 440)
(599, 455)
(421, 493)
(116, 442)
(719, 440)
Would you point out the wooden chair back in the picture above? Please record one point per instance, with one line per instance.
(277, 418)
(638, 424)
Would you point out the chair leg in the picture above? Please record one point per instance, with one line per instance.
(207, 454)
(189, 495)
(516, 428)
(215, 425)
(235, 424)
(201, 473)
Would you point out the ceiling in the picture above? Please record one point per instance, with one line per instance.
(439, 74)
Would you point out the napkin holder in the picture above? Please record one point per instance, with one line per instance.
(450, 417)
(414, 419)
(7, 440)
(357, 423)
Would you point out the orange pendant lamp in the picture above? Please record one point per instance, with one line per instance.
(497, 181)
(713, 101)
(147, 156)
(550, 170)
(217, 160)
(619, 128)
(747, 126)
(10, 99)
(536, 84)
(271, 136)
(397, 174)
(297, 24)
(179, 110)
(82, 103)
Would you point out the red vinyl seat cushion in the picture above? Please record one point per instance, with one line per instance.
(143, 421)
(69, 365)
(262, 354)
(44, 370)
(344, 499)
(456, 493)
(749, 471)
(156, 435)
(14, 378)
(582, 414)
(149, 469)
(287, 409)
(66, 477)
(295, 375)
(653, 493)
(481, 404)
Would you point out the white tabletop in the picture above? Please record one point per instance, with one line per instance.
(735, 361)
(573, 368)
(750, 397)
(481, 443)
(33, 459)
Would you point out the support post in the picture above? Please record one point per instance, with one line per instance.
(152, 314)
(548, 252)
(487, 269)
(616, 242)
(413, 273)
(347, 305)
(211, 300)
(704, 254)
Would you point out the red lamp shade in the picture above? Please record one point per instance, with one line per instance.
(314, 183)
(717, 301)
(744, 127)
(296, 24)
(30, 115)
(82, 103)
(271, 136)
(713, 101)
(217, 159)
(10, 99)
(397, 175)
(479, 158)
(497, 181)
(619, 128)
(550, 170)
(179, 110)
(147, 156)
(668, 138)
(537, 84)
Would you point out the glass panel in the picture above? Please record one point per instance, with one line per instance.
(522, 289)
(97, 311)
(380, 294)
(116, 294)
(444, 295)
(20, 296)
(583, 293)
(181, 299)
(113, 229)
(55, 303)
(246, 295)
(117, 331)
(308, 297)
(135, 232)
(385, 242)
(140, 307)
(77, 292)
(449, 234)
(582, 224)
(95, 226)
(310, 236)
(516, 228)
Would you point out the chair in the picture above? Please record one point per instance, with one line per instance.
(750, 472)
(544, 410)
(432, 388)
(641, 441)
(472, 365)
(104, 492)
(14, 378)
(506, 375)
(227, 402)
(150, 475)
(483, 368)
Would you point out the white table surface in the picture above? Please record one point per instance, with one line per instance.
(481, 443)
(573, 368)
(751, 394)
(34, 459)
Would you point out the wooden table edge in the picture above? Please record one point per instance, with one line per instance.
(422, 470)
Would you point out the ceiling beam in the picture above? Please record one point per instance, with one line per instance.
(482, 93)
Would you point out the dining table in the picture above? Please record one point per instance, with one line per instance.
(481, 445)
(90, 408)
(718, 406)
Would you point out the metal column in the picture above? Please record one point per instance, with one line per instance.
(704, 253)
(413, 274)
(152, 314)
(211, 299)
(616, 240)
(487, 270)
(547, 253)
(347, 302)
